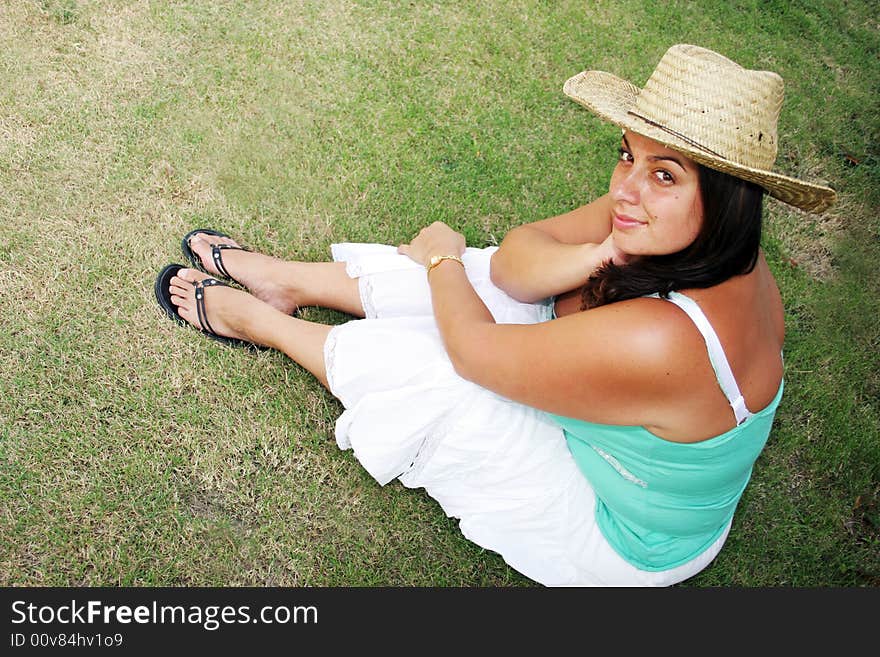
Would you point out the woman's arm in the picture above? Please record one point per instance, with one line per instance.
(553, 256)
(454, 297)
(609, 365)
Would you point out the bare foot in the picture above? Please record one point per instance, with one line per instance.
(229, 311)
(269, 279)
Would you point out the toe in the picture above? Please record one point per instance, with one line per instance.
(205, 241)
(202, 248)
(190, 276)
(201, 245)
(198, 244)
(178, 288)
(186, 314)
(183, 282)
(225, 240)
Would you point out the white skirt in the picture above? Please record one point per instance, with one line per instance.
(502, 468)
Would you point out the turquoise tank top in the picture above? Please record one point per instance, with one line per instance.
(660, 503)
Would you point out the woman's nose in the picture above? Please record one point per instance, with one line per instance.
(624, 187)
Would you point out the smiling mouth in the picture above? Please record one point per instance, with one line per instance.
(623, 221)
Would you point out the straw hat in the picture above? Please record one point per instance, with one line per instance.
(711, 109)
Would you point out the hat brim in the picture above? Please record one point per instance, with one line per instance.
(612, 98)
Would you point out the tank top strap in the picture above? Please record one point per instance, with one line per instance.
(716, 354)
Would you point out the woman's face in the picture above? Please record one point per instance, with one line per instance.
(657, 208)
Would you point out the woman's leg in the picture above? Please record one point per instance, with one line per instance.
(237, 314)
(284, 285)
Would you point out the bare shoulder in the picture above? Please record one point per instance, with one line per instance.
(656, 369)
(659, 340)
(635, 357)
(772, 296)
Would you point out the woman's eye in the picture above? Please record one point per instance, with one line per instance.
(624, 155)
(664, 176)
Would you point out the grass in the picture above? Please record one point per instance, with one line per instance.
(133, 453)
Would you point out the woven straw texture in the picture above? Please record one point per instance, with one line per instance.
(709, 108)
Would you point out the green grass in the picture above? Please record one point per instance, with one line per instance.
(134, 453)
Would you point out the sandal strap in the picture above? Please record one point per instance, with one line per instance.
(200, 303)
(217, 256)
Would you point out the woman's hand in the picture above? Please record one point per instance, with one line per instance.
(436, 239)
(607, 250)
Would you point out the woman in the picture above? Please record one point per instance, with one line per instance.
(588, 398)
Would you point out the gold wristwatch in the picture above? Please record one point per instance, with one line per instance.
(437, 259)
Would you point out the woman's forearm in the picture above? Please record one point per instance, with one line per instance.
(465, 323)
(458, 311)
(531, 265)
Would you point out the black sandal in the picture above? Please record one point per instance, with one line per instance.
(163, 296)
(216, 252)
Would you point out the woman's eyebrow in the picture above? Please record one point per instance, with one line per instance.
(654, 158)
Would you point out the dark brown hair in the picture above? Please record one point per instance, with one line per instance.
(726, 246)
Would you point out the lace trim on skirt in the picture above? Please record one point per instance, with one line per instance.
(365, 289)
(330, 357)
